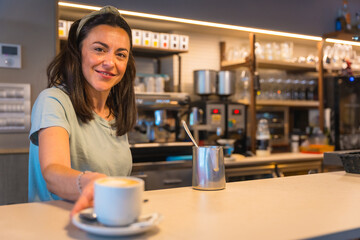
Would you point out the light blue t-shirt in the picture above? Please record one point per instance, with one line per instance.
(94, 146)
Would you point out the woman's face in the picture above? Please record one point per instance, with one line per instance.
(104, 53)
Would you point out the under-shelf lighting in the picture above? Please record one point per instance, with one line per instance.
(197, 22)
(332, 40)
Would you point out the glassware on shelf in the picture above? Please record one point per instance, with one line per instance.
(295, 85)
(269, 51)
(276, 51)
(327, 56)
(287, 88)
(259, 51)
(302, 89)
(261, 94)
(279, 88)
(271, 87)
(237, 53)
(230, 54)
(242, 86)
(287, 51)
(245, 78)
(311, 86)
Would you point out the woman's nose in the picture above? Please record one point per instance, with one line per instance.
(109, 60)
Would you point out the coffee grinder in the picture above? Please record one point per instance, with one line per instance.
(215, 119)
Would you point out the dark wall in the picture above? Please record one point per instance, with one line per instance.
(32, 24)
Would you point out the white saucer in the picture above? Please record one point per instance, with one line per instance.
(145, 223)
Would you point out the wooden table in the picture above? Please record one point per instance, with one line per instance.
(320, 206)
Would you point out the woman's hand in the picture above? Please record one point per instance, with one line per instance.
(85, 200)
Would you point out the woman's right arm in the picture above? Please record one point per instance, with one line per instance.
(55, 163)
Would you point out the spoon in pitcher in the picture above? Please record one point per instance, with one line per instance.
(189, 133)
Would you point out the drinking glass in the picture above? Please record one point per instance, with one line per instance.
(245, 79)
(295, 84)
(271, 88)
(286, 50)
(262, 92)
(268, 51)
(276, 51)
(311, 86)
(302, 89)
(259, 51)
(279, 88)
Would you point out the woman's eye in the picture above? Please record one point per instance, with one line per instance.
(99, 49)
(122, 55)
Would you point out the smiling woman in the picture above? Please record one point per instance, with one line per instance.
(79, 124)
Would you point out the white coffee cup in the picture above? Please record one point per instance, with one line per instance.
(118, 200)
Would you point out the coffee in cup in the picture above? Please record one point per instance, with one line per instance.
(118, 200)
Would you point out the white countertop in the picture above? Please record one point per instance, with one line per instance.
(325, 205)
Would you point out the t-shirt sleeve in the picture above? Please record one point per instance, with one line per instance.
(48, 111)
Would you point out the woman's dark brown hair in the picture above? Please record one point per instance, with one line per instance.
(65, 71)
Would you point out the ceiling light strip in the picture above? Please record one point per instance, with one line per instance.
(196, 22)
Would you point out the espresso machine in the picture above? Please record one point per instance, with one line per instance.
(157, 132)
(215, 119)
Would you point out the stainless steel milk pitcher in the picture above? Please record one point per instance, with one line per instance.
(208, 168)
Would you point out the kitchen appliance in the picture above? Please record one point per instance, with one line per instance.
(157, 132)
(342, 97)
(214, 119)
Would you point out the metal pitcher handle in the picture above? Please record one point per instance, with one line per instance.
(215, 162)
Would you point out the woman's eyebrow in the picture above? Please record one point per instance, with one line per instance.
(106, 46)
(101, 43)
(122, 49)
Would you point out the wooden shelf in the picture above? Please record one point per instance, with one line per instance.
(288, 103)
(273, 64)
(142, 51)
(230, 65)
(278, 64)
(341, 35)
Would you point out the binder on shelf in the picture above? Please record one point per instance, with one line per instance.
(174, 41)
(146, 38)
(136, 37)
(164, 40)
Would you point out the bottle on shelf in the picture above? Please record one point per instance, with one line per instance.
(346, 14)
(357, 23)
(263, 138)
(340, 22)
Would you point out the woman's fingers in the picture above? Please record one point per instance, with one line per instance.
(85, 200)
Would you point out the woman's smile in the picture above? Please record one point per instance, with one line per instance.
(105, 74)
